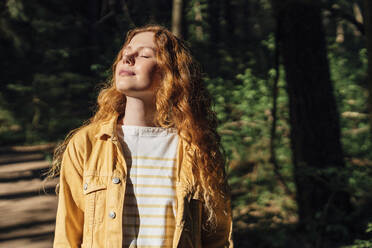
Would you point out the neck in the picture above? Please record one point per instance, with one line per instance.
(139, 112)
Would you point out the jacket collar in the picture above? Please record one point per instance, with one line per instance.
(108, 128)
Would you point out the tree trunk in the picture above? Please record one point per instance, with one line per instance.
(368, 29)
(314, 119)
(198, 18)
(213, 19)
(230, 22)
(177, 18)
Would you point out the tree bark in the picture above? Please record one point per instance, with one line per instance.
(315, 132)
(213, 19)
(177, 18)
(368, 30)
(230, 22)
(198, 19)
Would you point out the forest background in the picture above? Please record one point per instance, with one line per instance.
(292, 88)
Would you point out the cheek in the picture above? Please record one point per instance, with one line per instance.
(153, 73)
(115, 75)
(148, 69)
(116, 78)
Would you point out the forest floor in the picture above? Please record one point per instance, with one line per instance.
(27, 207)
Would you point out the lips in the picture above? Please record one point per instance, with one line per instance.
(126, 73)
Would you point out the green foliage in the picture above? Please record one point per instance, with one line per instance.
(244, 107)
(348, 75)
(352, 96)
(16, 10)
(365, 243)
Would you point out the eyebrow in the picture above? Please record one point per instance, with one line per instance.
(139, 48)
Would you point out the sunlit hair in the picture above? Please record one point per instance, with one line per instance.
(183, 102)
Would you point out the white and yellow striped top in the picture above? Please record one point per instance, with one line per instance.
(150, 197)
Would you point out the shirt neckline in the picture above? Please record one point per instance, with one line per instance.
(147, 130)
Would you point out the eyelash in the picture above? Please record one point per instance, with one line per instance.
(143, 56)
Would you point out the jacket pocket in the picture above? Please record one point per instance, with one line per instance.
(95, 200)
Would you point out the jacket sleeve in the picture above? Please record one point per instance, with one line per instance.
(70, 214)
(221, 235)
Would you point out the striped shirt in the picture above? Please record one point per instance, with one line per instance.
(150, 197)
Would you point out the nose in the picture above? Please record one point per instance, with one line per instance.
(128, 59)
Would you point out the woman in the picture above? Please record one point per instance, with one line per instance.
(147, 170)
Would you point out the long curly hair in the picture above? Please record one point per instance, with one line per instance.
(182, 102)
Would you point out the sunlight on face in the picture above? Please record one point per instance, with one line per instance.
(137, 72)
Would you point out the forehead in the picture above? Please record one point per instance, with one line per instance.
(143, 39)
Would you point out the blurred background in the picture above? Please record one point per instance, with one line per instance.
(292, 87)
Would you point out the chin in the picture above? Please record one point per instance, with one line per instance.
(126, 90)
(120, 90)
(122, 87)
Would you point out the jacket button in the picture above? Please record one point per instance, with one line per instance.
(116, 180)
(112, 214)
(85, 186)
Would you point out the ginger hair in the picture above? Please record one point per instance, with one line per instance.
(182, 102)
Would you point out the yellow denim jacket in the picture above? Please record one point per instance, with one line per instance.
(92, 189)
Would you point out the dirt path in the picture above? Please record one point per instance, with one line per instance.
(27, 213)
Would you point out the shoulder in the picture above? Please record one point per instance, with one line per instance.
(83, 136)
(79, 145)
(87, 132)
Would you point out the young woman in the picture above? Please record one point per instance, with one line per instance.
(147, 170)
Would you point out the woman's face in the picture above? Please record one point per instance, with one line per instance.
(137, 74)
